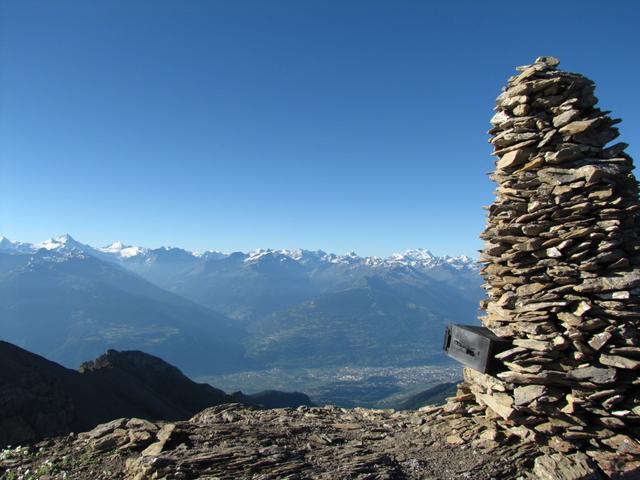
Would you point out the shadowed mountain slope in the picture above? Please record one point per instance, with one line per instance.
(433, 396)
(39, 398)
(378, 321)
(70, 307)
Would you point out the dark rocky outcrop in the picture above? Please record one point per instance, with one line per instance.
(34, 396)
(274, 399)
(151, 386)
(39, 398)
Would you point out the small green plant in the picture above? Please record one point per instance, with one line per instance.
(48, 467)
(13, 453)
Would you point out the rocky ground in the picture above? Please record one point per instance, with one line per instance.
(233, 441)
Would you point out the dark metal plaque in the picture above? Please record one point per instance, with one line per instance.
(475, 347)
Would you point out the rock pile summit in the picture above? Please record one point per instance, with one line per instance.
(562, 272)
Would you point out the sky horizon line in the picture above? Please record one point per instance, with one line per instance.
(229, 251)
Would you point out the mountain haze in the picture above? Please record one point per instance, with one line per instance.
(212, 312)
(70, 307)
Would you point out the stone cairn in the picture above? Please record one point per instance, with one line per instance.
(562, 272)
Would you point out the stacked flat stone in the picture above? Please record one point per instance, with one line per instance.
(562, 265)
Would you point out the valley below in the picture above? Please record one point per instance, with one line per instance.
(347, 386)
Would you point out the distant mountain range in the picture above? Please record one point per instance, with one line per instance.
(212, 312)
(118, 251)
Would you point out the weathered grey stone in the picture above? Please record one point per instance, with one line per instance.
(565, 154)
(141, 424)
(565, 467)
(548, 61)
(527, 435)
(619, 362)
(488, 382)
(625, 281)
(626, 351)
(616, 465)
(527, 394)
(454, 439)
(137, 440)
(500, 118)
(622, 444)
(500, 403)
(590, 173)
(521, 109)
(530, 289)
(533, 344)
(582, 308)
(580, 126)
(565, 117)
(111, 440)
(163, 436)
(507, 354)
(560, 445)
(545, 377)
(103, 429)
(594, 374)
(512, 159)
(599, 340)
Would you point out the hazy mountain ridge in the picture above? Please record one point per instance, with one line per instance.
(73, 307)
(260, 309)
(378, 320)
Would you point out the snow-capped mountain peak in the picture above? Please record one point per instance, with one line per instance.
(413, 255)
(419, 258)
(210, 254)
(115, 247)
(5, 241)
(7, 245)
(65, 241)
(121, 250)
(423, 258)
(256, 255)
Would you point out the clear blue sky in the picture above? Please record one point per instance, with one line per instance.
(341, 125)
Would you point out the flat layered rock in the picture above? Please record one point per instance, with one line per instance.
(324, 443)
(565, 467)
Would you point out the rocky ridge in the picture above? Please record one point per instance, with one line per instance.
(234, 441)
(40, 398)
